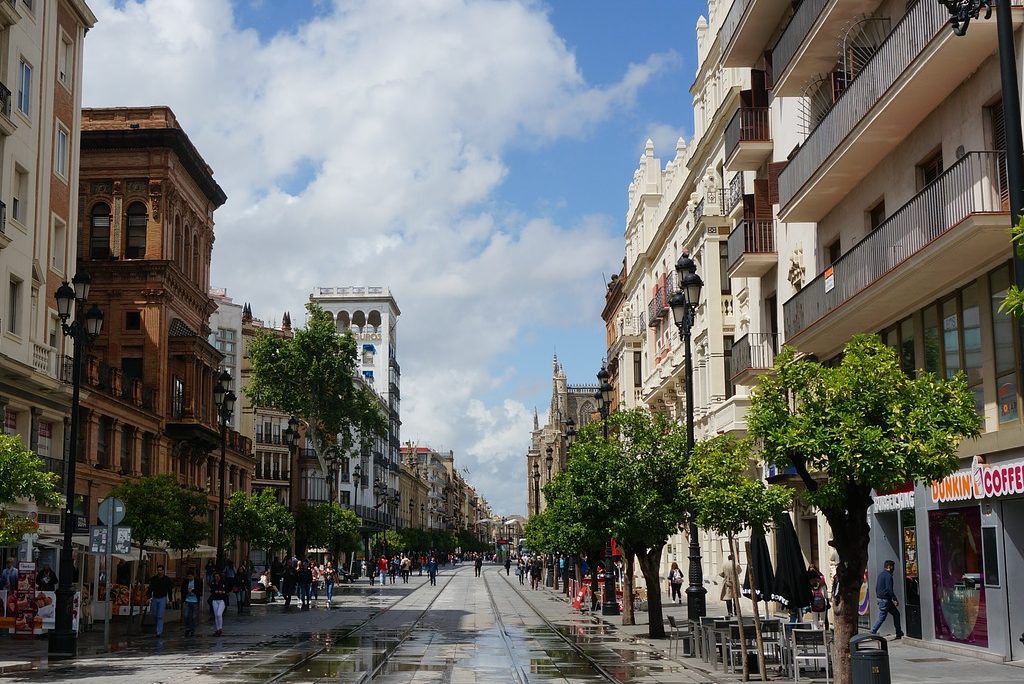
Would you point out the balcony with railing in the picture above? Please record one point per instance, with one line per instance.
(658, 306)
(752, 248)
(748, 139)
(807, 46)
(734, 195)
(710, 211)
(752, 355)
(950, 231)
(747, 29)
(42, 359)
(7, 124)
(911, 73)
(272, 472)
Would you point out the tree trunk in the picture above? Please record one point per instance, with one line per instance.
(850, 535)
(737, 592)
(757, 617)
(650, 564)
(628, 616)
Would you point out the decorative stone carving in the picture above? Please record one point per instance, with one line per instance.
(136, 186)
(155, 192)
(101, 188)
(796, 269)
(118, 188)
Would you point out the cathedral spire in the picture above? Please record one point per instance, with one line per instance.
(536, 419)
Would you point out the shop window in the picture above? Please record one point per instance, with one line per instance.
(990, 548)
(957, 575)
(1005, 354)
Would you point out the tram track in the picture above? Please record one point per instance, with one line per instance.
(517, 671)
(597, 667)
(353, 631)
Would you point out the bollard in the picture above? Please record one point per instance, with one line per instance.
(869, 665)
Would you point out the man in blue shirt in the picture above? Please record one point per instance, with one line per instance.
(9, 579)
(887, 600)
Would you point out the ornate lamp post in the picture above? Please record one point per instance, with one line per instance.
(412, 507)
(82, 331)
(224, 399)
(536, 488)
(610, 606)
(684, 303)
(550, 581)
(961, 12)
(570, 561)
(291, 438)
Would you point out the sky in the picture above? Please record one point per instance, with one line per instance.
(471, 155)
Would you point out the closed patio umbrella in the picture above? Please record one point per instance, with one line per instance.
(791, 587)
(761, 560)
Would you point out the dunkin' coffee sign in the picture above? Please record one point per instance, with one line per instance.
(982, 481)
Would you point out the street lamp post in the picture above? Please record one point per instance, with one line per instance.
(550, 581)
(570, 561)
(610, 606)
(684, 303)
(224, 399)
(291, 438)
(536, 488)
(82, 331)
(961, 12)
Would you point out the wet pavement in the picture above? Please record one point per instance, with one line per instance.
(466, 629)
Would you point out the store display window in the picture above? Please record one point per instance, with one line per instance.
(958, 572)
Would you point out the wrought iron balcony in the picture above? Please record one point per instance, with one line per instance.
(752, 248)
(752, 355)
(734, 194)
(913, 70)
(748, 139)
(947, 232)
(747, 29)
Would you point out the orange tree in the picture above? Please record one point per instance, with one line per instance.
(848, 429)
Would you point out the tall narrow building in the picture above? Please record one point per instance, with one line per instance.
(41, 48)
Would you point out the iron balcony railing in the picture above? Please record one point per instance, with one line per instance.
(734, 193)
(795, 33)
(970, 186)
(712, 204)
(748, 124)
(751, 236)
(732, 22)
(754, 351)
(898, 51)
(5, 100)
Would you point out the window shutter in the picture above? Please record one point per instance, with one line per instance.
(774, 169)
(995, 113)
(762, 205)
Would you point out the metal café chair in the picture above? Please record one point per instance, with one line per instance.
(811, 645)
(680, 637)
(787, 644)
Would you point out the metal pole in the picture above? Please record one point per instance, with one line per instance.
(63, 639)
(1014, 146)
(611, 604)
(696, 601)
(220, 504)
(110, 561)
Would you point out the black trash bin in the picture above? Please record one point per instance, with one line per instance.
(869, 659)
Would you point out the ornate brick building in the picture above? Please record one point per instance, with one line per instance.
(146, 203)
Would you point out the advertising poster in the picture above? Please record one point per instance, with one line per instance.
(23, 602)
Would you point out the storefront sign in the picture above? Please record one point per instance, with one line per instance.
(982, 481)
(830, 279)
(896, 500)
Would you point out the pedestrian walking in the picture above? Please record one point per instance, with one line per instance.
(190, 591)
(521, 570)
(536, 568)
(288, 582)
(508, 565)
(218, 597)
(304, 580)
(887, 601)
(157, 592)
(478, 564)
(675, 582)
(382, 568)
(728, 593)
(406, 568)
(432, 571)
(330, 577)
(819, 595)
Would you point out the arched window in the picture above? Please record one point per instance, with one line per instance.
(196, 253)
(177, 247)
(99, 232)
(186, 257)
(135, 231)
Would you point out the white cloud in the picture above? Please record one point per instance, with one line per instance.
(664, 136)
(366, 147)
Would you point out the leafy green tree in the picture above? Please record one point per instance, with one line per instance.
(728, 499)
(160, 511)
(538, 533)
(848, 429)
(1014, 302)
(632, 487)
(22, 477)
(258, 520)
(312, 376)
